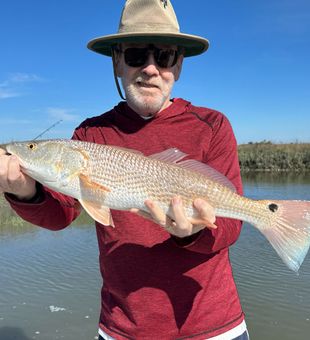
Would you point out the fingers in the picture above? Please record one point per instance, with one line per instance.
(206, 214)
(181, 226)
(3, 170)
(156, 215)
(14, 173)
(12, 180)
(156, 212)
(181, 221)
(9, 171)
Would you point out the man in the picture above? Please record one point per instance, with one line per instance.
(157, 284)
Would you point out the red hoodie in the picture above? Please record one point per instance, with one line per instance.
(157, 286)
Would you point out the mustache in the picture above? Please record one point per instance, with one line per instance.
(147, 81)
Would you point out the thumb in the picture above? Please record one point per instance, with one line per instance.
(206, 213)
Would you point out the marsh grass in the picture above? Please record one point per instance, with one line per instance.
(266, 156)
(12, 224)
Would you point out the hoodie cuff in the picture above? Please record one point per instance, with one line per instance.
(39, 196)
(187, 240)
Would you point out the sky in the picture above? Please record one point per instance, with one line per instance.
(256, 70)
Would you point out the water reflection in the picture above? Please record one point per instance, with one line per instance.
(279, 185)
(275, 178)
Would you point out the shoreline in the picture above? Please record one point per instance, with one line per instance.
(268, 157)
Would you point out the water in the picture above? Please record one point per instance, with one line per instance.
(276, 301)
(50, 283)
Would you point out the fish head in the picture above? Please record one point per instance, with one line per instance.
(50, 162)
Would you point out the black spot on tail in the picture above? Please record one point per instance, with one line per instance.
(273, 207)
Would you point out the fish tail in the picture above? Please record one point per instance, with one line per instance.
(288, 230)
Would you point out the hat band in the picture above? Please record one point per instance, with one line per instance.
(149, 28)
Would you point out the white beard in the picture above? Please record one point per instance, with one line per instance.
(145, 104)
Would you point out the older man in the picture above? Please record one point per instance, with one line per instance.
(157, 285)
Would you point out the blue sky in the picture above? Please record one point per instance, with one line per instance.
(256, 71)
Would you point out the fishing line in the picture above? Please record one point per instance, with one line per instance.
(49, 128)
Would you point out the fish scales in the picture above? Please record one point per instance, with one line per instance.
(135, 175)
(133, 178)
(103, 177)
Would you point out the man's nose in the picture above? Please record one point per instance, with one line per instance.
(150, 67)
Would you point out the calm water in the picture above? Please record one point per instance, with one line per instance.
(50, 283)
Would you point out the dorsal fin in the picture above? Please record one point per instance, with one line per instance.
(174, 155)
(128, 150)
(207, 171)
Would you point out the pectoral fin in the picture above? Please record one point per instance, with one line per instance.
(99, 213)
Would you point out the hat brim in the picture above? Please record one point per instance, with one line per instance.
(192, 44)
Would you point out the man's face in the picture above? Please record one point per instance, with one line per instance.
(147, 87)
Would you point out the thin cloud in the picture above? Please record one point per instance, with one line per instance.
(62, 114)
(24, 78)
(8, 93)
(9, 88)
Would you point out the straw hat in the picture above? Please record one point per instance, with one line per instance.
(150, 21)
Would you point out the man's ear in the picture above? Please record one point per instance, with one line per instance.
(178, 67)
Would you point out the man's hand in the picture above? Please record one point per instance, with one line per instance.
(12, 180)
(181, 226)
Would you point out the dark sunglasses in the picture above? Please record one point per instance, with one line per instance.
(138, 56)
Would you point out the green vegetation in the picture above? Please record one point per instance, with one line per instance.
(266, 156)
(12, 224)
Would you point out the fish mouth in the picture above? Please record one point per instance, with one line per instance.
(5, 148)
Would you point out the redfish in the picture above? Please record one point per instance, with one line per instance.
(103, 177)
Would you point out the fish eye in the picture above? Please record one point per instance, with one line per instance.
(32, 146)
